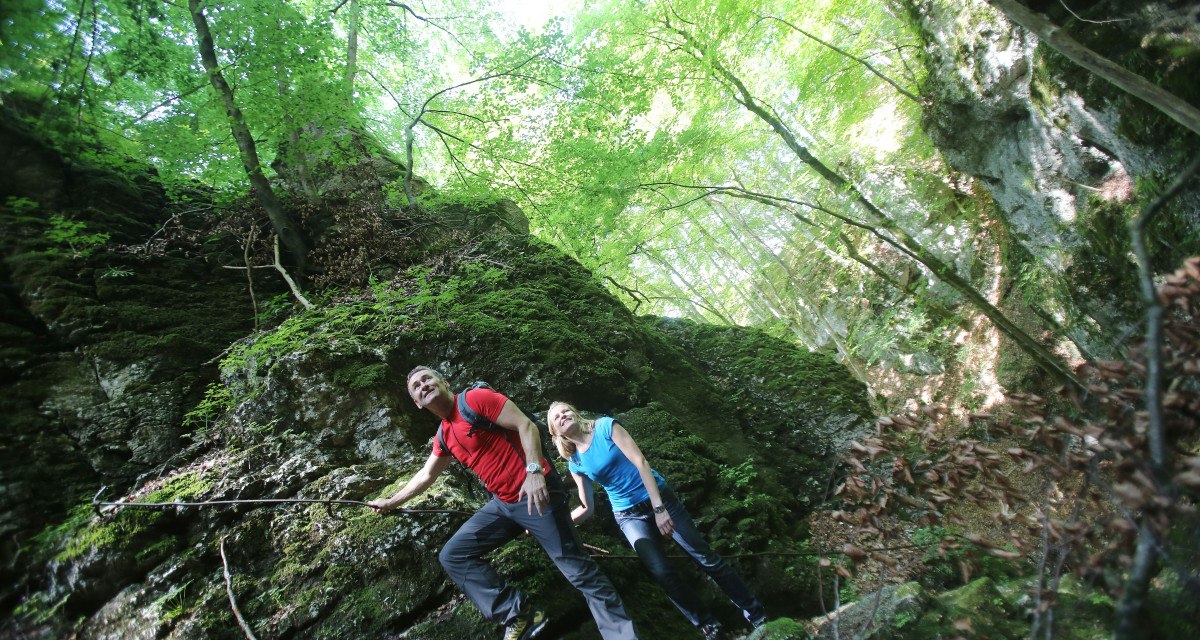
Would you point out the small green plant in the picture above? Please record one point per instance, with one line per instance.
(739, 476)
(116, 272)
(172, 604)
(39, 608)
(73, 235)
(20, 206)
(218, 399)
(274, 308)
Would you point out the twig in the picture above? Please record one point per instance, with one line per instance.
(1145, 562)
(1082, 19)
(249, 273)
(901, 90)
(1154, 312)
(288, 278)
(233, 603)
(171, 99)
(595, 548)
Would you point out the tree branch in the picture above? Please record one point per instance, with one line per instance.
(1174, 107)
(288, 279)
(233, 603)
(1154, 311)
(904, 92)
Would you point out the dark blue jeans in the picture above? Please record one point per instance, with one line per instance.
(641, 531)
(496, 524)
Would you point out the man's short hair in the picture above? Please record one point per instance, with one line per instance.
(422, 367)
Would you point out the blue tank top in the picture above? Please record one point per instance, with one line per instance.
(605, 463)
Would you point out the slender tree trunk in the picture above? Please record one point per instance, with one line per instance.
(1047, 360)
(1137, 86)
(702, 299)
(784, 304)
(759, 299)
(1146, 563)
(296, 153)
(351, 53)
(848, 358)
(285, 227)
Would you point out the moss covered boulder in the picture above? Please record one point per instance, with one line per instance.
(315, 408)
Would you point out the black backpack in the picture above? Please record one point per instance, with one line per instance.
(480, 423)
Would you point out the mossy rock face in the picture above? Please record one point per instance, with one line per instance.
(316, 407)
(980, 604)
(104, 346)
(1069, 158)
(123, 386)
(885, 614)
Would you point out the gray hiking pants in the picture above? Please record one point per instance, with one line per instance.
(498, 523)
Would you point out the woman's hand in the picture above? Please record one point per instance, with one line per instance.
(666, 526)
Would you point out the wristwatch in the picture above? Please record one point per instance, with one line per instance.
(533, 467)
(660, 509)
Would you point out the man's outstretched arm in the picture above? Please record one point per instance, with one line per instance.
(417, 485)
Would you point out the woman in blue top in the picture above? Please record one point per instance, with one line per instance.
(646, 509)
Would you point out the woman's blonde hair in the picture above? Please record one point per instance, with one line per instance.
(565, 447)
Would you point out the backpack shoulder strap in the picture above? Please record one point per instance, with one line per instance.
(441, 440)
(470, 415)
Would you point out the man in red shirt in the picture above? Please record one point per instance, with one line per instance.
(509, 461)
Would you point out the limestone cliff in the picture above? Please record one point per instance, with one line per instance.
(141, 371)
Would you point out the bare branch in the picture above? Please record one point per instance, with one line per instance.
(1154, 312)
(904, 92)
(288, 278)
(229, 589)
(430, 22)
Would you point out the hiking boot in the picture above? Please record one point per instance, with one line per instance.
(711, 631)
(526, 626)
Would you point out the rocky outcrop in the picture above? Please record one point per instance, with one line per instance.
(104, 345)
(127, 390)
(1059, 149)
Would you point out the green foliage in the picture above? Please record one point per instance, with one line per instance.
(116, 272)
(20, 206)
(40, 607)
(218, 399)
(739, 476)
(72, 234)
(173, 603)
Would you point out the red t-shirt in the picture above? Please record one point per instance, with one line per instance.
(495, 455)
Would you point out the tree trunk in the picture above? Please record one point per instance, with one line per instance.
(1047, 360)
(296, 154)
(1135, 85)
(701, 299)
(285, 227)
(351, 53)
(848, 358)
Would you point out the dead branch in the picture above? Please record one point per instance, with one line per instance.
(233, 603)
(288, 279)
